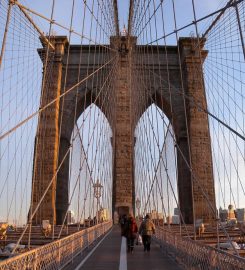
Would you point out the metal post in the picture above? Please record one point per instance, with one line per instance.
(72, 248)
(138, 203)
(116, 17)
(59, 257)
(35, 261)
(240, 30)
(5, 33)
(97, 194)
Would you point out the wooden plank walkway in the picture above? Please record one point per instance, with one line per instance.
(108, 254)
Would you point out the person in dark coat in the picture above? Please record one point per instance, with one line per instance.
(131, 230)
(123, 223)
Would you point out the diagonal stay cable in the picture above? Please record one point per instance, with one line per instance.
(51, 181)
(23, 8)
(194, 22)
(85, 159)
(5, 33)
(195, 179)
(206, 111)
(54, 100)
(165, 167)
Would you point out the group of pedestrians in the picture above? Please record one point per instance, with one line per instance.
(129, 229)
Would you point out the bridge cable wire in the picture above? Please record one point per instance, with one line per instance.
(89, 113)
(53, 178)
(54, 22)
(232, 162)
(93, 158)
(156, 146)
(196, 180)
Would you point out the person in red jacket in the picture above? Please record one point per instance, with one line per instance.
(131, 230)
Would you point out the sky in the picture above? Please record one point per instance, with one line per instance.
(62, 12)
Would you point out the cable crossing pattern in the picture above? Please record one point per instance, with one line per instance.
(98, 120)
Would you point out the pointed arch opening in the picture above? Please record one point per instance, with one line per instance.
(155, 166)
(85, 184)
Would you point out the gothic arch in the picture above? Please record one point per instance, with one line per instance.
(122, 126)
(74, 105)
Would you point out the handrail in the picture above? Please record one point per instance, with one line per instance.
(59, 253)
(193, 255)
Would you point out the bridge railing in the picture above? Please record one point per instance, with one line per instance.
(194, 255)
(57, 254)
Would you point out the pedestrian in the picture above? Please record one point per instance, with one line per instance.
(122, 222)
(131, 232)
(147, 229)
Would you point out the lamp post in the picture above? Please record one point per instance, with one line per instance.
(138, 206)
(97, 194)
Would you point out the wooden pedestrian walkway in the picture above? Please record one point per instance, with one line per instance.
(111, 254)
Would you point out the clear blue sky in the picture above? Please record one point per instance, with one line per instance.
(63, 12)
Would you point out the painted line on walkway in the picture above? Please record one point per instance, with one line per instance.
(92, 251)
(123, 255)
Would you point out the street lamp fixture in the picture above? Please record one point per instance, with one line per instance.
(138, 206)
(97, 194)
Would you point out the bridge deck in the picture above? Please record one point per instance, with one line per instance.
(111, 254)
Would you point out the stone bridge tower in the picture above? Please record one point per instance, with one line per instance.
(49, 152)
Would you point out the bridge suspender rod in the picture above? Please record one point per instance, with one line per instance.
(64, 89)
(33, 23)
(148, 143)
(241, 32)
(210, 114)
(214, 211)
(22, 7)
(185, 112)
(150, 191)
(79, 129)
(204, 194)
(164, 162)
(40, 201)
(148, 22)
(207, 112)
(221, 12)
(5, 33)
(44, 81)
(224, 80)
(169, 183)
(51, 182)
(116, 20)
(216, 118)
(194, 22)
(145, 131)
(87, 169)
(234, 72)
(91, 10)
(156, 137)
(54, 100)
(196, 180)
(130, 17)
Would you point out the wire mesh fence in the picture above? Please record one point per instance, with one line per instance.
(58, 254)
(193, 255)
